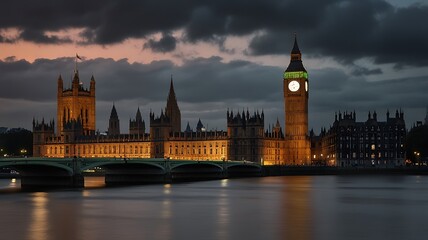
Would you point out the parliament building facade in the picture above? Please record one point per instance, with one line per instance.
(245, 138)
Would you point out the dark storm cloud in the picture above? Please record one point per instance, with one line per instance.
(205, 88)
(166, 44)
(198, 80)
(351, 30)
(344, 30)
(363, 71)
(333, 89)
(39, 37)
(4, 39)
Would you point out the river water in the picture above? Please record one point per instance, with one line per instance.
(292, 207)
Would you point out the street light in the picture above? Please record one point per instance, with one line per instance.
(23, 151)
(417, 157)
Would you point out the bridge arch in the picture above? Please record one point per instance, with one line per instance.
(196, 170)
(130, 171)
(244, 170)
(45, 174)
(33, 168)
(114, 164)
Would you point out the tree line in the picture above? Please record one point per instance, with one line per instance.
(16, 142)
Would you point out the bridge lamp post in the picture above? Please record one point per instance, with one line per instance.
(23, 151)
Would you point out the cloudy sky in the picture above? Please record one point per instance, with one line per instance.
(361, 55)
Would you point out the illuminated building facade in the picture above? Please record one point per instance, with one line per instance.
(245, 139)
(76, 104)
(296, 95)
(349, 143)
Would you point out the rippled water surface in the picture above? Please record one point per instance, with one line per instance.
(295, 207)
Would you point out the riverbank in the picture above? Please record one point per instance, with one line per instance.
(9, 175)
(325, 170)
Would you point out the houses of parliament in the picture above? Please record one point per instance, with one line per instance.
(245, 139)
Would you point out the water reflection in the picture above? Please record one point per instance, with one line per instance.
(94, 182)
(297, 212)
(313, 207)
(223, 211)
(166, 212)
(12, 183)
(39, 226)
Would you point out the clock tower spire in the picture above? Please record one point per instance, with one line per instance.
(296, 95)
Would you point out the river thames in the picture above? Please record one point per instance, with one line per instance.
(290, 207)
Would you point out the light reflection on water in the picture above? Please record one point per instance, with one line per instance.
(39, 227)
(298, 207)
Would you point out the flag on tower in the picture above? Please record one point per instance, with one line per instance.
(77, 56)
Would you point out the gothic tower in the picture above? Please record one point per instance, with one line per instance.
(41, 132)
(138, 126)
(172, 111)
(296, 94)
(245, 134)
(113, 123)
(76, 103)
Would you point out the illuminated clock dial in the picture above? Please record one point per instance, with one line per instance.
(293, 86)
(306, 86)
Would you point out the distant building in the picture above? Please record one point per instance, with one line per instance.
(426, 117)
(137, 126)
(349, 143)
(113, 123)
(3, 129)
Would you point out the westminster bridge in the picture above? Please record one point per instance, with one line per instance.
(68, 172)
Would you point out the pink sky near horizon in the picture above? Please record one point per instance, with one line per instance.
(131, 49)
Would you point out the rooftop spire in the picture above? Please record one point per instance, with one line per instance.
(172, 110)
(171, 95)
(138, 115)
(296, 49)
(296, 64)
(277, 123)
(113, 113)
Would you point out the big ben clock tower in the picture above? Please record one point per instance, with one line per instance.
(296, 94)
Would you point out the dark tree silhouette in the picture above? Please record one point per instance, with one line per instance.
(16, 142)
(417, 144)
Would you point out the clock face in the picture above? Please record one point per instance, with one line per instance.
(293, 86)
(306, 86)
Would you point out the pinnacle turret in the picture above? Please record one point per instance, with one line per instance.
(296, 49)
(113, 113)
(172, 111)
(171, 95)
(138, 115)
(296, 64)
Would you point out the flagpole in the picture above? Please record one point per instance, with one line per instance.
(77, 57)
(75, 66)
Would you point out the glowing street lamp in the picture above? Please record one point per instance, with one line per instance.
(417, 154)
(23, 151)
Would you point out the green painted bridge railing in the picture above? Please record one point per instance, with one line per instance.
(68, 171)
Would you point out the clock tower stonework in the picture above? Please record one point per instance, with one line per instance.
(296, 95)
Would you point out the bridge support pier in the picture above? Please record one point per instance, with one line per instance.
(129, 179)
(52, 181)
